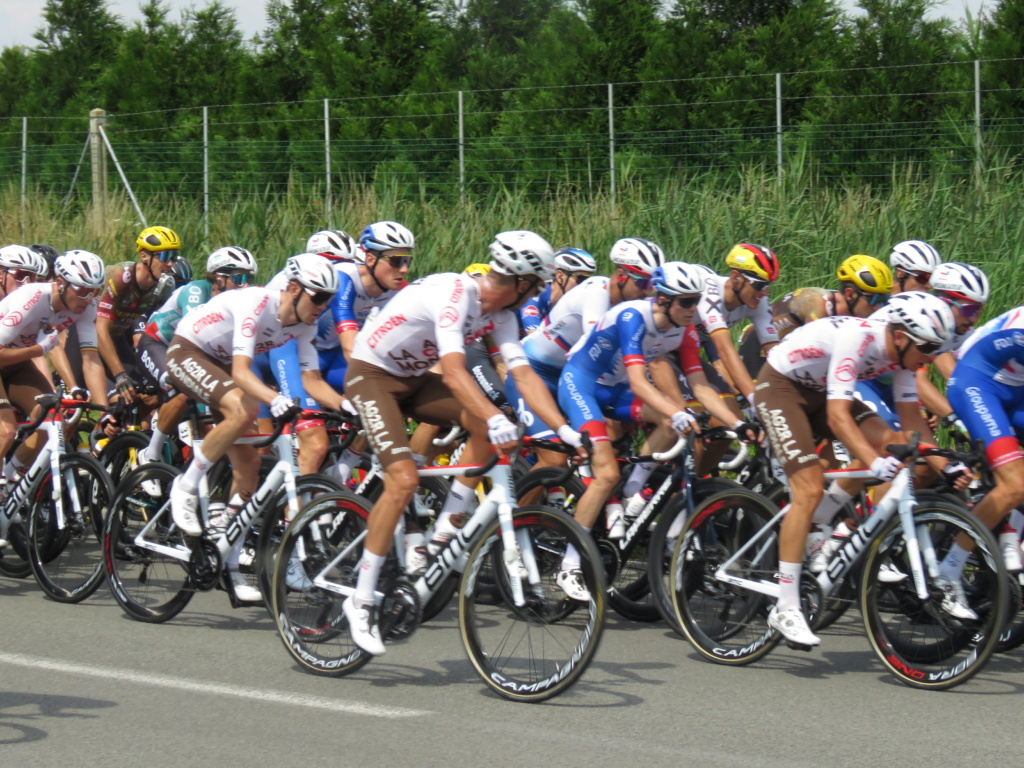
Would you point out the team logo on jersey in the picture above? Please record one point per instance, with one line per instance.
(1018, 338)
(846, 370)
(449, 316)
(13, 319)
(249, 328)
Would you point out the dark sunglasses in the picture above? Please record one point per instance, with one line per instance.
(319, 298)
(643, 283)
(687, 302)
(921, 277)
(167, 256)
(238, 278)
(757, 283)
(924, 347)
(875, 299)
(397, 262)
(969, 310)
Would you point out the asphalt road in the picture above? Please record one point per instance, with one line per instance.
(86, 686)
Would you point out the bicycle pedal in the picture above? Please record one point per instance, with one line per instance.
(799, 646)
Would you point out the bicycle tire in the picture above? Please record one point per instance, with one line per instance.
(120, 455)
(726, 624)
(149, 586)
(309, 619)
(68, 563)
(1013, 633)
(264, 538)
(917, 642)
(509, 646)
(14, 557)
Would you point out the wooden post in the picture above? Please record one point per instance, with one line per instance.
(97, 118)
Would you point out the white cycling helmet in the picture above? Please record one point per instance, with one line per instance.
(20, 257)
(961, 282)
(522, 253)
(575, 260)
(385, 235)
(333, 244)
(638, 256)
(313, 272)
(80, 268)
(925, 317)
(231, 257)
(914, 256)
(676, 278)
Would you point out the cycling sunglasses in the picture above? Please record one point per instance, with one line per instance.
(84, 291)
(22, 275)
(319, 298)
(166, 256)
(238, 278)
(875, 299)
(397, 262)
(687, 302)
(756, 283)
(643, 283)
(924, 347)
(969, 310)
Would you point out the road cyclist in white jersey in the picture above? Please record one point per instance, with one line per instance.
(20, 266)
(32, 320)
(805, 391)
(390, 377)
(572, 267)
(210, 359)
(228, 268)
(370, 271)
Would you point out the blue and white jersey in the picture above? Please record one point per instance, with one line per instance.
(534, 311)
(348, 309)
(625, 336)
(567, 324)
(997, 348)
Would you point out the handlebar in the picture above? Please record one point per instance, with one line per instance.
(453, 434)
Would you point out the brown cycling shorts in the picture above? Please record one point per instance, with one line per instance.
(795, 418)
(194, 372)
(19, 385)
(384, 400)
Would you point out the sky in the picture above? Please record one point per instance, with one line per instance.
(19, 19)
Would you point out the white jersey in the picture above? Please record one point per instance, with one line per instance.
(28, 309)
(834, 353)
(713, 316)
(349, 308)
(434, 316)
(568, 322)
(950, 346)
(246, 322)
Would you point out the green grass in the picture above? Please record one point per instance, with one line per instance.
(811, 228)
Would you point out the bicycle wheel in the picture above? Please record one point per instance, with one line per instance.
(14, 557)
(264, 538)
(916, 640)
(661, 544)
(325, 541)
(67, 559)
(536, 651)
(1013, 633)
(727, 624)
(120, 455)
(149, 585)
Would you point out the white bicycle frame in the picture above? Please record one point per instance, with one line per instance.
(899, 499)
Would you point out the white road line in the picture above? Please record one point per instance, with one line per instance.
(215, 689)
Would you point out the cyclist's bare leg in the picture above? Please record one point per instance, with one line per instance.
(312, 449)
(807, 487)
(400, 484)
(606, 474)
(1007, 495)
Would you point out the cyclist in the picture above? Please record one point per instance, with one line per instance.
(742, 294)
(805, 390)
(986, 391)
(390, 376)
(18, 266)
(31, 320)
(210, 360)
(572, 267)
(621, 371)
(133, 290)
(333, 244)
(913, 262)
(49, 254)
(227, 268)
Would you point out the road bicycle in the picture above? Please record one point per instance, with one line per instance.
(525, 638)
(155, 569)
(63, 499)
(723, 582)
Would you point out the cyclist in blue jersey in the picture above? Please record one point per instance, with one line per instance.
(607, 375)
(572, 267)
(226, 269)
(986, 391)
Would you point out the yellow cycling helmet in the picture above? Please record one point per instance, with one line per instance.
(755, 260)
(477, 270)
(157, 239)
(866, 273)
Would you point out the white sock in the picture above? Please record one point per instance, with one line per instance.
(349, 460)
(789, 586)
(952, 565)
(637, 478)
(459, 499)
(196, 471)
(572, 556)
(833, 500)
(369, 569)
(156, 443)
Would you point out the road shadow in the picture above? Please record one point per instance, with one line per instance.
(24, 716)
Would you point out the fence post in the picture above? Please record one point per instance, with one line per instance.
(98, 118)
(978, 163)
(462, 153)
(327, 162)
(24, 177)
(778, 127)
(611, 144)
(206, 173)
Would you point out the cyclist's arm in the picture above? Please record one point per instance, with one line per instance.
(107, 350)
(19, 355)
(464, 388)
(537, 395)
(636, 374)
(845, 429)
(730, 358)
(709, 398)
(930, 396)
(315, 386)
(666, 381)
(94, 375)
(246, 379)
(59, 360)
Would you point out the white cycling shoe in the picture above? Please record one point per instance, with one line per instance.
(362, 623)
(792, 625)
(244, 591)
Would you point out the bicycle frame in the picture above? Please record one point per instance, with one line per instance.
(898, 500)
